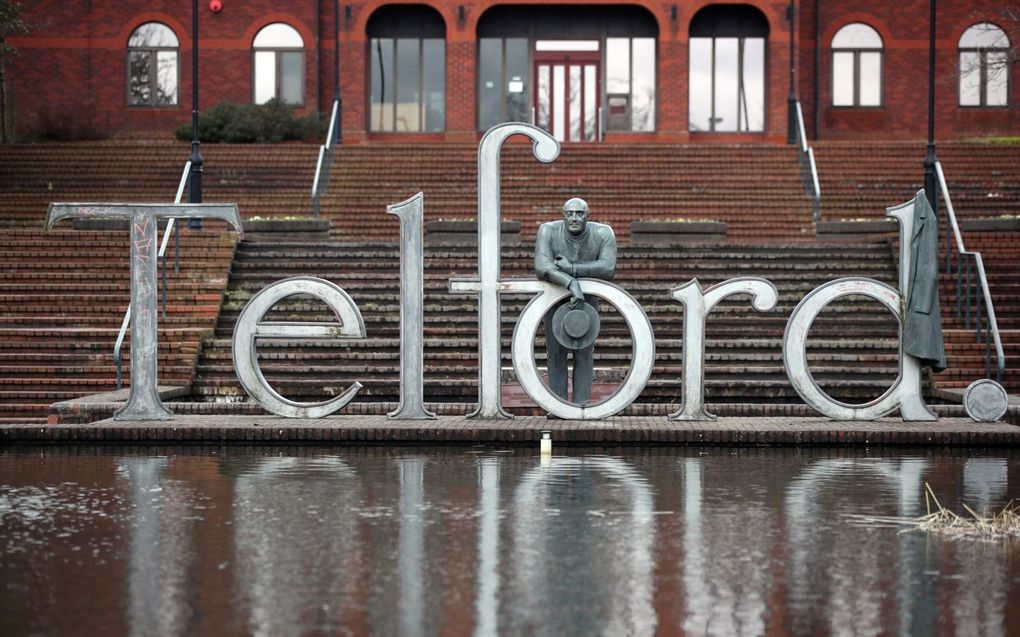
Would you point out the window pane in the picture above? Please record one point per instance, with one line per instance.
(590, 103)
(490, 80)
(700, 93)
(984, 36)
(871, 79)
(434, 79)
(153, 35)
(843, 79)
(567, 45)
(408, 97)
(382, 84)
(166, 83)
(857, 36)
(290, 77)
(752, 116)
(559, 104)
(278, 36)
(575, 103)
(518, 80)
(265, 76)
(617, 65)
(996, 72)
(970, 78)
(543, 97)
(726, 84)
(139, 64)
(643, 90)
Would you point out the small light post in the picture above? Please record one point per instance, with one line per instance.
(791, 99)
(195, 181)
(930, 182)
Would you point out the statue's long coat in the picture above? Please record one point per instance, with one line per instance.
(922, 323)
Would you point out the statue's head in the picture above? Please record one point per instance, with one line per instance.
(575, 216)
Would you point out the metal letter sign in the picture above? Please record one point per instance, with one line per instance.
(546, 149)
(250, 326)
(143, 401)
(411, 213)
(697, 304)
(905, 393)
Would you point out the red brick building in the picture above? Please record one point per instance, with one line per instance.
(687, 70)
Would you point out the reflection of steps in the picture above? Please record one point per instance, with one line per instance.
(64, 295)
(853, 346)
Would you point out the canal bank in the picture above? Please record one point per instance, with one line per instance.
(524, 430)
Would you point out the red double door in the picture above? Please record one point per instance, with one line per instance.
(567, 93)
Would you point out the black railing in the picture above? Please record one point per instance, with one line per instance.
(973, 298)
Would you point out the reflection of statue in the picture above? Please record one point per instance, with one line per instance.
(564, 252)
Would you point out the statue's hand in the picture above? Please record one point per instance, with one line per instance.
(578, 297)
(563, 263)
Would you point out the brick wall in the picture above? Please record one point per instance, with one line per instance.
(73, 64)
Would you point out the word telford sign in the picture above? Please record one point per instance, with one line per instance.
(144, 404)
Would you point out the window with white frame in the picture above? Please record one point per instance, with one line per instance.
(857, 66)
(279, 64)
(984, 66)
(152, 66)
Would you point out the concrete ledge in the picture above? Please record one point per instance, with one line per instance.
(635, 430)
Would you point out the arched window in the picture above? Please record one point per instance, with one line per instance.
(857, 66)
(407, 51)
(152, 66)
(984, 66)
(279, 64)
(728, 69)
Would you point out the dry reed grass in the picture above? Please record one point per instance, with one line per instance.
(941, 521)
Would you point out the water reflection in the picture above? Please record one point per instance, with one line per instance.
(460, 542)
(582, 536)
(161, 550)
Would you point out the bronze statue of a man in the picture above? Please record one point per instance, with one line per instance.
(564, 252)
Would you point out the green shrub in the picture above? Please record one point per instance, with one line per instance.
(235, 123)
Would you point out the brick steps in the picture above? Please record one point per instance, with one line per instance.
(64, 294)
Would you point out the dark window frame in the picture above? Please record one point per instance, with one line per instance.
(740, 73)
(390, 85)
(856, 79)
(983, 81)
(152, 52)
(278, 72)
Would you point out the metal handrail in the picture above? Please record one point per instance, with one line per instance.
(991, 328)
(322, 165)
(117, 359)
(808, 155)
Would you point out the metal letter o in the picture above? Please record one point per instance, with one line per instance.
(523, 349)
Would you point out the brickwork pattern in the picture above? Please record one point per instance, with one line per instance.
(73, 64)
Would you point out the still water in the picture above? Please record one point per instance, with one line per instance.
(460, 541)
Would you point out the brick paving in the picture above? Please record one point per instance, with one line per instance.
(377, 429)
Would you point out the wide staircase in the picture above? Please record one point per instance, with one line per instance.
(64, 295)
(756, 189)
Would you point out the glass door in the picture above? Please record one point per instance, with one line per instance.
(567, 91)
